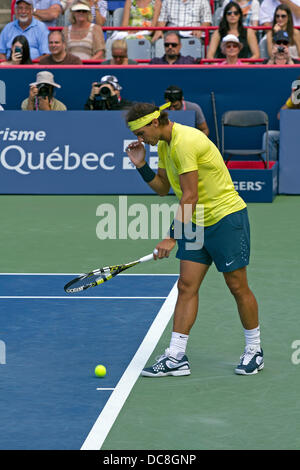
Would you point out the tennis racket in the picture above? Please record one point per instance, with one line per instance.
(98, 276)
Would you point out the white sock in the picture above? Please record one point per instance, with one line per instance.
(178, 345)
(253, 337)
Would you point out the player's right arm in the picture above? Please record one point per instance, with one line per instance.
(160, 183)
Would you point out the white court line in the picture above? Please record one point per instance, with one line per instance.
(75, 298)
(105, 388)
(114, 404)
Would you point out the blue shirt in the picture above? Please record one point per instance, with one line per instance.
(44, 5)
(36, 34)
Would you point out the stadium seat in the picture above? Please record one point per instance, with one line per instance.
(217, 16)
(139, 49)
(191, 46)
(158, 48)
(117, 16)
(263, 48)
(244, 119)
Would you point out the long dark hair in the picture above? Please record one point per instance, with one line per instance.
(290, 22)
(26, 59)
(224, 26)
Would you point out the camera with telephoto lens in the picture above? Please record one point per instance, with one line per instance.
(44, 90)
(173, 95)
(104, 92)
(280, 49)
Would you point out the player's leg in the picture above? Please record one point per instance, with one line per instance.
(174, 361)
(189, 282)
(251, 360)
(246, 302)
(228, 244)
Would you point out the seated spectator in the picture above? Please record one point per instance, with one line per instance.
(119, 54)
(267, 9)
(105, 96)
(35, 31)
(283, 21)
(174, 94)
(20, 53)
(98, 10)
(280, 54)
(232, 23)
(250, 10)
(47, 11)
(84, 38)
(58, 53)
(172, 56)
(231, 47)
(41, 94)
(191, 13)
(141, 13)
(274, 135)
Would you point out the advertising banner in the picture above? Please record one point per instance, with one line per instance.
(74, 152)
(83, 152)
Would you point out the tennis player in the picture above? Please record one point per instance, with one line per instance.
(192, 165)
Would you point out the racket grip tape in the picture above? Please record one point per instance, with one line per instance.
(148, 257)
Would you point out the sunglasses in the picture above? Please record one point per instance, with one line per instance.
(171, 44)
(232, 45)
(81, 11)
(282, 43)
(119, 56)
(280, 16)
(233, 12)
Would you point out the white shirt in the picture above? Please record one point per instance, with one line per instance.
(188, 13)
(268, 7)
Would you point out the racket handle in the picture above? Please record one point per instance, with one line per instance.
(148, 257)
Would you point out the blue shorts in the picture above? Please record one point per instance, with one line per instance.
(226, 243)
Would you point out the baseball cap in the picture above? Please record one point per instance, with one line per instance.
(30, 2)
(230, 38)
(112, 80)
(281, 36)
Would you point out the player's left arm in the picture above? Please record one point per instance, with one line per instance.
(189, 186)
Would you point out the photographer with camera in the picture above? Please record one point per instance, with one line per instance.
(105, 95)
(174, 94)
(280, 50)
(41, 94)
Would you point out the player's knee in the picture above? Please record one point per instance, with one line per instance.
(236, 287)
(186, 287)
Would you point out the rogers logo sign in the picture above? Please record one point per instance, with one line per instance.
(248, 185)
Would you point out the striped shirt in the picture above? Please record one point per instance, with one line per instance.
(185, 13)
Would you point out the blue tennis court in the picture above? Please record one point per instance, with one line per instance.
(50, 398)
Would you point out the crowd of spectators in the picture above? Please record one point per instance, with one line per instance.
(71, 31)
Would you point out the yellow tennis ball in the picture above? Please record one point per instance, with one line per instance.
(100, 370)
